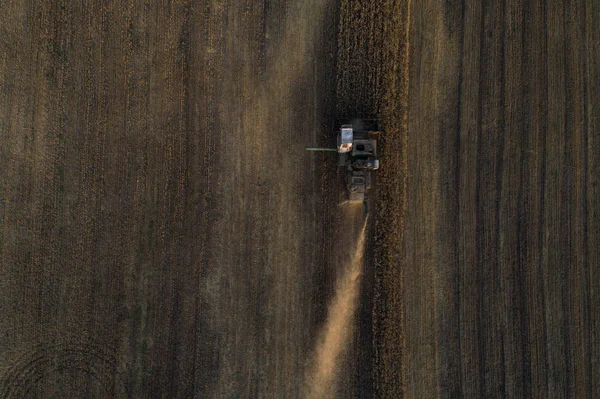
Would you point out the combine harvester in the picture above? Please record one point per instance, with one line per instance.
(357, 149)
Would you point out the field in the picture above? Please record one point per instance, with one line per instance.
(164, 234)
(500, 257)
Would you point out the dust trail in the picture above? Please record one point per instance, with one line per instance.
(332, 340)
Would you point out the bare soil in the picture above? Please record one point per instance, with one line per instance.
(501, 232)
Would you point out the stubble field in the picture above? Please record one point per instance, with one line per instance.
(164, 233)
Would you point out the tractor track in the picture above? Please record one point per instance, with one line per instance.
(49, 362)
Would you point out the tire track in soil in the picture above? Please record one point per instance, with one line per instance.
(51, 362)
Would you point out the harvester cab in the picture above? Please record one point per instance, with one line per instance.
(357, 151)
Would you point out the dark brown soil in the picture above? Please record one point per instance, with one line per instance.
(501, 235)
(164, 233)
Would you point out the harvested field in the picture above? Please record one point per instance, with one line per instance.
(164, 234)
(501, 238)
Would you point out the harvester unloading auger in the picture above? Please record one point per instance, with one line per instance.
(357, 149)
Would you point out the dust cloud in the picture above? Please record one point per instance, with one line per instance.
(337, 331)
